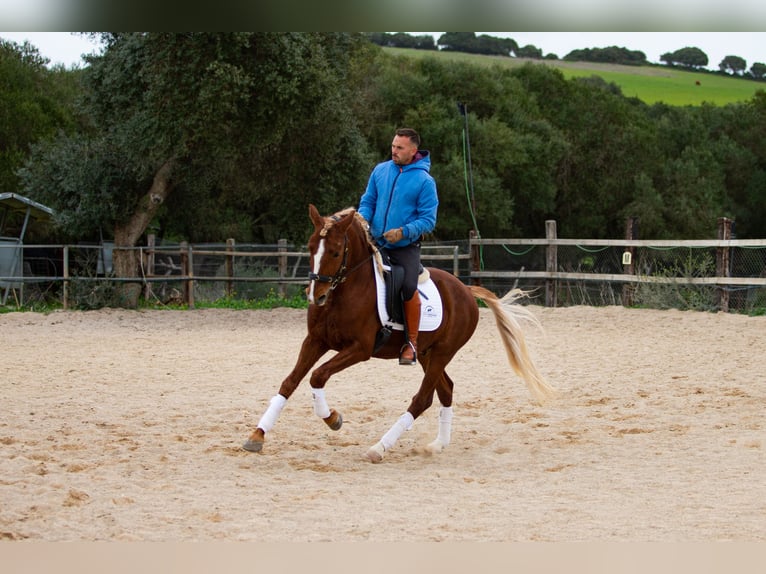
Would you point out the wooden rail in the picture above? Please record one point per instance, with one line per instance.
(179, 264)
(552, 275)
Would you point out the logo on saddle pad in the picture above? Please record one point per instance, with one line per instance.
(430, 300)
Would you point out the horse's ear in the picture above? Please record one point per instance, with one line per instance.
(346, 221)
(316, 219)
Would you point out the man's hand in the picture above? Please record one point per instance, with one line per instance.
(394, 235)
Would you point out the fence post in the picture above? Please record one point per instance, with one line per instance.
(629, 260)
(456, 261)
(149, 265)
(722, 268)
(551, 263)
(282, 248)
(187, 270)
(65, 287)
(475, 256)
(230, 267)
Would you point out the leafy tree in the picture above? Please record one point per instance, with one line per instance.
(647, 205)
(457, 41)
(610, 55)
(529, 51)
(251, 122)
(736, 134)
(469, 42)
(493, 45)
(758, 70)
(402, 40)
(605, 140)
(34, 104)
(733, 65)
(699, 163)
(693, 189)
(688, 57)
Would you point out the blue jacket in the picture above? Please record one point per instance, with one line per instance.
(400, 196)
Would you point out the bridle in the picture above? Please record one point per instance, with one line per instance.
(341, 274)
(339, 277)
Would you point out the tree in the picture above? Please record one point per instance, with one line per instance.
(402, 40)
(736, 134)
(687, 57)
(610, 55)
(733, 65)
(529, 51)
(492, 45)
(249, 121)
(457, 41)
(470, 43)
(758, 70)
(34, 105)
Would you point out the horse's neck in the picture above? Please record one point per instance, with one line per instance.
(365, 249)
(363, 253)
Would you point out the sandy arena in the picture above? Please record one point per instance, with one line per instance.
(128, 425)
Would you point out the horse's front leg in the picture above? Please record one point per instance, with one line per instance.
(344, 359)
(310, 353)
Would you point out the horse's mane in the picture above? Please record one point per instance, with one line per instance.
(364, 228)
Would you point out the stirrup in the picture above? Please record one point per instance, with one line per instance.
(414, 360)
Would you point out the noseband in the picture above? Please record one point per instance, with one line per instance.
(340, 275)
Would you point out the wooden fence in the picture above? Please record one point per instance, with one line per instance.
(552, 274)
(231, 266)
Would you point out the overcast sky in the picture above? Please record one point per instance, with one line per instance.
(59, 47)
(67, 48)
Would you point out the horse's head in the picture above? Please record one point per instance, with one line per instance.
(328, 251)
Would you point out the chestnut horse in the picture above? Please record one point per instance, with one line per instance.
(342, 317)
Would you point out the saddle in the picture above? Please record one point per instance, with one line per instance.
(393, 277)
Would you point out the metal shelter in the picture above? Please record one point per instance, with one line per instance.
(12, 248)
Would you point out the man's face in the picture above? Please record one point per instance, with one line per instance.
(403, 150)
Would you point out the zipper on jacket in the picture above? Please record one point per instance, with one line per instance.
(390, 199)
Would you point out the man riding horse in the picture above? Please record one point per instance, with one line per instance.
(400, 205)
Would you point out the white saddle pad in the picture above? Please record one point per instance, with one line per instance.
(430, 303)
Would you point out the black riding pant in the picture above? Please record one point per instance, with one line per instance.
(409, 258)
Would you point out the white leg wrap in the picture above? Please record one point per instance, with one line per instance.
(320, 404)
(403, 424)
(269, 418)
(445, 426)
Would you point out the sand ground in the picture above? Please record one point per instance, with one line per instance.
(127, 425)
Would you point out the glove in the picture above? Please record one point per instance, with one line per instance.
(394, 235)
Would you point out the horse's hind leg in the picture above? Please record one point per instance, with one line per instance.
(444, 392)
(423, 399)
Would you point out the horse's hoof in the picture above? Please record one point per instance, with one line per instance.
(253, 445)
(375, 453)
(255, 442)
(335, 420)
(435, 447)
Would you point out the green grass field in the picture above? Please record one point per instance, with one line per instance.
(650, 84)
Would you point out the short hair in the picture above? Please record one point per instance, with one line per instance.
(409, 133)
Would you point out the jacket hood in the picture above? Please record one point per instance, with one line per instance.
(422, 161)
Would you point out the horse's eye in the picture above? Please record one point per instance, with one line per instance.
(336, 254)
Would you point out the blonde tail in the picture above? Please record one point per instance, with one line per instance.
(507, 317)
